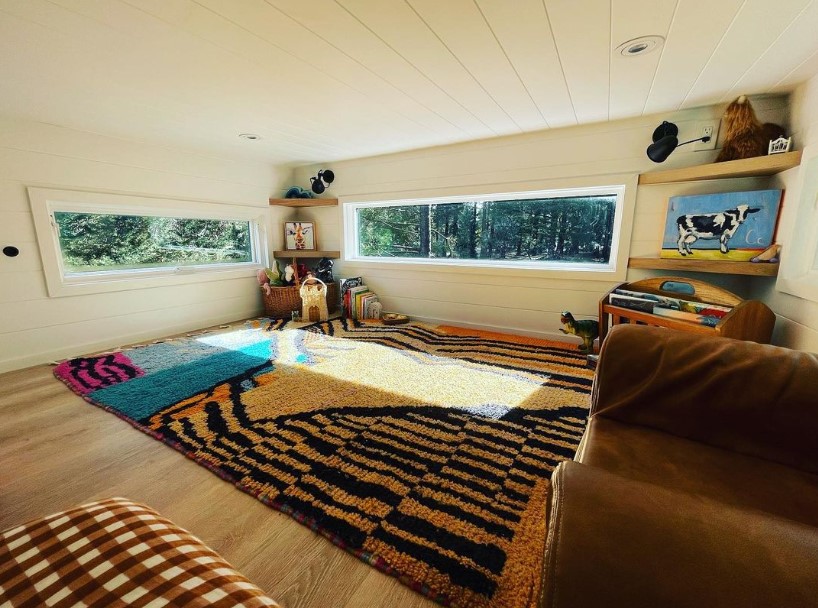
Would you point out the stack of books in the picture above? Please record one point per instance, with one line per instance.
(358, 300)
(702, 313)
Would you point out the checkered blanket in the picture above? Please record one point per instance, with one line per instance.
(116, 553)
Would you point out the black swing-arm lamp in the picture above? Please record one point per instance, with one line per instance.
(665, 141)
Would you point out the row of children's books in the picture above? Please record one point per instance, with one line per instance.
(702, 313)
(358, 301)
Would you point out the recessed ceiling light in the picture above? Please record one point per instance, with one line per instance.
(640, 46)
(252, 136)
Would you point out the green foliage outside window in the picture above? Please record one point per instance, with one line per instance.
(95, 241)
(576, 229)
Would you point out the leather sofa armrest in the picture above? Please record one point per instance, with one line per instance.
(754, 399)
(617, 542)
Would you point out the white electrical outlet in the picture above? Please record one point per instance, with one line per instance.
(709, 129)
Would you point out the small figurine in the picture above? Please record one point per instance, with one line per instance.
(323, 270)
(588, 330)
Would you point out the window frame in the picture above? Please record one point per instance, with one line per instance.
(798, 271)
(616, 268)
(46, 201)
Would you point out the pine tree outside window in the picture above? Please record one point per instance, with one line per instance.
(574, 229)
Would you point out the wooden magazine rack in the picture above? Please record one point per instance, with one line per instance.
(748, 319)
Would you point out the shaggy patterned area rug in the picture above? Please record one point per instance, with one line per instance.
(424, 451)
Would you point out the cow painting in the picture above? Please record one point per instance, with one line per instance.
(721, 226)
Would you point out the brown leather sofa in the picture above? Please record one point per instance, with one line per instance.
(696, 482)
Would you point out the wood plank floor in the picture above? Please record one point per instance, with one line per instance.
(57, 451)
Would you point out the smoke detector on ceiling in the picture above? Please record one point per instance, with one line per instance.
(640, 46)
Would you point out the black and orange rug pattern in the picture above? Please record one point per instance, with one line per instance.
(425, 451)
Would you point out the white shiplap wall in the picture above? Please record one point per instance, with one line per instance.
(502, 300)
(35, 328)
(797, 325)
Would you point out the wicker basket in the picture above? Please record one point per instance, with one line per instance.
(282, 301)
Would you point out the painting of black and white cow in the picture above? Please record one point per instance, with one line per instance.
(721, 226)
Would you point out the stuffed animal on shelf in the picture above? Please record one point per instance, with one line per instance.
(323, 270)
(289, 275)
(743, 134)
(588, 330)
(297, 192)
(302, 270)
(274, 275)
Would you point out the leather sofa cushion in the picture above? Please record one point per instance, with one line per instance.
(652, 456)
(755, 399)
(618, 542)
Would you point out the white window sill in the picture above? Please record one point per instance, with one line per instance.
(567, 271)
(102, 282)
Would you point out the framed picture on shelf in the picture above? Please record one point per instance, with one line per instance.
(300, 236)
(729, 226)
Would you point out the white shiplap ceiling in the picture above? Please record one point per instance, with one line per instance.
(323, 80)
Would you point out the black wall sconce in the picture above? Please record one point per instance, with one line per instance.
(665, 141)
(318, 182)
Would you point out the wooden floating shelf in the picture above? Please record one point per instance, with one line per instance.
(760, 269)
(304, 202)
(747, 167)
(306, 253)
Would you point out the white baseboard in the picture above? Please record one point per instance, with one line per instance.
(545, 335)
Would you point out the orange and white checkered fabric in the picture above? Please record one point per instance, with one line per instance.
(116, 553)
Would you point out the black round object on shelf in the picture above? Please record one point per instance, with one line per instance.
(11, 251)
(327, 175)
(317, 185)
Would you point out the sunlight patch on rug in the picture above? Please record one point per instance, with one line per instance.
(426, 453)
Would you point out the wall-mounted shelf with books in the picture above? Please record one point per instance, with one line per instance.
(747, 167)
(303, 202)
(761, 269)
(306, 253)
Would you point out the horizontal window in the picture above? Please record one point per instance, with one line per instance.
(570, 229)
(92, 242)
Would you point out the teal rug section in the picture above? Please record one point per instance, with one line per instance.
(142, 397)
(167, 355)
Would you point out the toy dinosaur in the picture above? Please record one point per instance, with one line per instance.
(588, 330)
